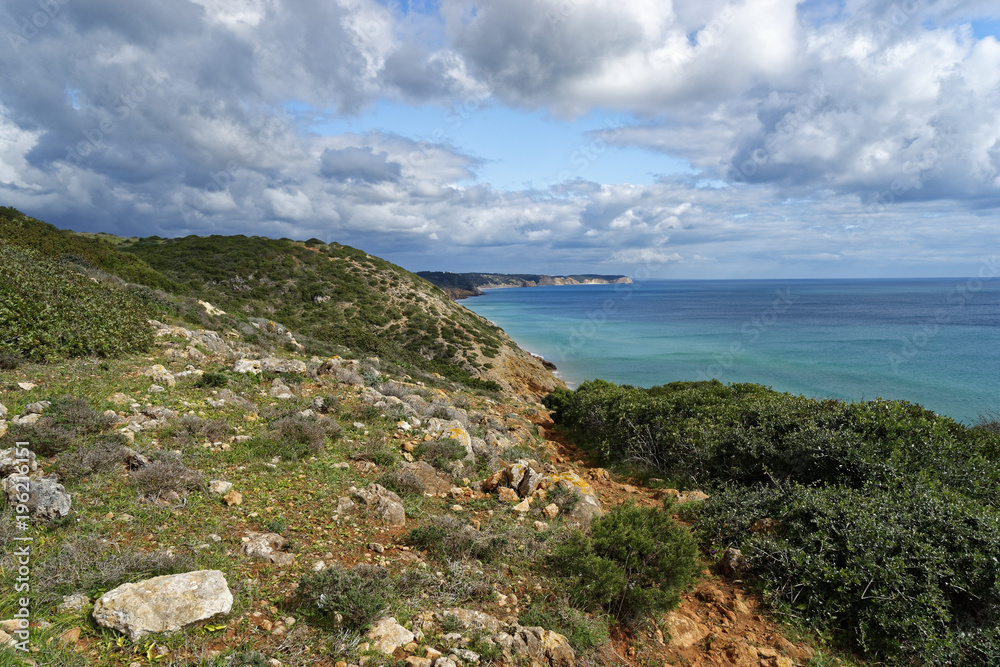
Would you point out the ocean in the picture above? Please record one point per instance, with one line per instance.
(935, 342)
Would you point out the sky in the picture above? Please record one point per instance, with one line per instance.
(652, 138)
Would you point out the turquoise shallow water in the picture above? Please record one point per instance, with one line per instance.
(931, 341)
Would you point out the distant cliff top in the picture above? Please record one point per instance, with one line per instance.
(462, 285)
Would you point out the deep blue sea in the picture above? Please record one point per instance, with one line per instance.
(930, 341)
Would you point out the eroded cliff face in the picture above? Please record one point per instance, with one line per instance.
(521, 373)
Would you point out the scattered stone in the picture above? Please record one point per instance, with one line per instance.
(376, 547)
(550, 511)
(233, 498)
(36, 408)
(507, 495)
(276, 365)
(26, 420)
(45, 498)
(541, 526)
(164, 604)
(433, 480)
(11, 462)
(27, 386)
(523, 506)
(3, 411)
(732, 562)
(219, 487)
(155, 389)
(267, 547)
(73, 603)
(251, 366)
(159, 375)
(383, 501)
(387, 635)
(417, 661)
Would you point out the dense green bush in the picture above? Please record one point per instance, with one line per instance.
(903, 572)
(876, 521)
(359, 595)
(49, 312)
(635, 563)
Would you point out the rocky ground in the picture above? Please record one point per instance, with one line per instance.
(242, 476)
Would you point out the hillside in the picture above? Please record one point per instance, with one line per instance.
(462, 285)
(220, 491)
(333, 299)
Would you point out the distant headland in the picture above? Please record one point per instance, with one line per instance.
(463, 285)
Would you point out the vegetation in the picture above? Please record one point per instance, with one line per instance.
(875, 521)
(634, 564)
(332, 293)
(50, 312)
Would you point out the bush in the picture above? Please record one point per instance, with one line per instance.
(160, 477)
(49, 312)
(212, 379)
(96, 566)
(447, 537)
(634, 564)
(905, 573)
(402, 482)
(440, 453)
(76, 414)
(875, 522)
(44, 437)
(584, 633)
(360, 595)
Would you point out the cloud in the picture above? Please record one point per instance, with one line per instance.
(360, 164)
(820, 134)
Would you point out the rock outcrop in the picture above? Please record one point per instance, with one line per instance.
(164, 604)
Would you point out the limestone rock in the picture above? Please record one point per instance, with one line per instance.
(557, 649)
(251, 366)
(219, 487)
(45, 498)
(17, 460)
(383, 501)
(470, 620)
(589, 505)
(267, 547)
(432, 479)
(119, 398)
(276, 365)
(732, 561)
(454, 429)
(74, 602)
(507, 495)
(387, 635)
(160, 375)
(164, 604)
(26, 420)
(3, 411)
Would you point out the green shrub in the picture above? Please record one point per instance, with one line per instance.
(49, 312)
(440, 453)
(77, 415)
(635, 563)
(905, 573)
(360, 595)
(44, 438)
(583, 632)
(447, 537)
(212, 379)
(876, 522)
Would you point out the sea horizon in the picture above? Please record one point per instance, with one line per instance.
(924, 340)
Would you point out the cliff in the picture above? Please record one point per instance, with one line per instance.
(462, 285)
